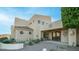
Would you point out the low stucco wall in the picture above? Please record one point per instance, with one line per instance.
(72, 37)
(64, 36)
(23, 37)
(11, 46)
(77, 36)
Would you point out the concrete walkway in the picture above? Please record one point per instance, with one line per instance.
(49, 46)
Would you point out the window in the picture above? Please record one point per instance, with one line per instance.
(33, 21)
(21, 32)
(39, 21)
(42, 23)
(47, 23)
(30, 33)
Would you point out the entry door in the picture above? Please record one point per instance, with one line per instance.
(56, 35)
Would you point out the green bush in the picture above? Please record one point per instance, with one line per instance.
(41, 39)
(70, 17)
(12, 40)
(33, 41)
(36, 41)
(9, 41)
(26, 42)
(30, 43)
(6, 41)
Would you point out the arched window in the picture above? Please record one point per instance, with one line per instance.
(39, 21)
(30, 33)
(21, 32)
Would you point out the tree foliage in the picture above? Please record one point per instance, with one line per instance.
(70, 17)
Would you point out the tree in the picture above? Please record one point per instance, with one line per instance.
(70, 17)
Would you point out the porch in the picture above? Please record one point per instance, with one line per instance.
(66, 36)
(53, 35)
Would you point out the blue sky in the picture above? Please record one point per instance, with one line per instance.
(8, 14)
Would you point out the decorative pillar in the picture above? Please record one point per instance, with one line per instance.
(50, 35)
(41, 34)
(72, 37)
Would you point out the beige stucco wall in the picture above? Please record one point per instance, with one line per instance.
(20, 22)
(64, 36)
(77, 36)
(38, 26)
(54, 25)
(72, 37)
(12, 32)
(23, 37)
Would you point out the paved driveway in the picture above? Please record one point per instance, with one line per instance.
(48, 45)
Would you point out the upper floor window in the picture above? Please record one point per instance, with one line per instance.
(42, 23)
(39, 21)
(33, 21)
(30, 33)
(21, 32)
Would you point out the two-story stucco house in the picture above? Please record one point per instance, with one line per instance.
(41, 27)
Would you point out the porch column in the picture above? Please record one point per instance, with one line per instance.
(41, 34)
(50, 35)
(64, 36)
(72, 37)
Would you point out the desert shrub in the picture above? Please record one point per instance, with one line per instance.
(9, 41)
(6, 41)
(42, 39)
(33, 40)
(12, 40)
(30, 43)
(36, 41)
(26, 42)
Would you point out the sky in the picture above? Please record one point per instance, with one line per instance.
(8, 14)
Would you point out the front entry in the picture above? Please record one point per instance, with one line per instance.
(56, 35)
(52, 35)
